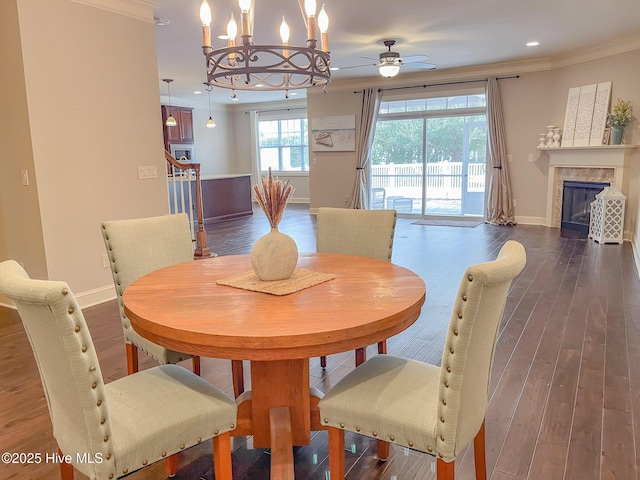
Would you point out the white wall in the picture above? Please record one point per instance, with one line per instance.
(92, 103)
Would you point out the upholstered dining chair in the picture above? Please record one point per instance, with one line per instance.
(109, 430)
(437, 410)
(367, 233)
(139, 246)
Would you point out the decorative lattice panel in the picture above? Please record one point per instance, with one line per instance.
(607, 217)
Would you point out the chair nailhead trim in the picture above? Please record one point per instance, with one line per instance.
(442, 419)
(182, 446)
(392, 438)
(342, 425)
(470, 277)
(94, 385)
(84, 349)
(233, 425)
(99, 402)
(106, 438)
(110, 476)
(444, 402)
(429, 449)
(455, 332)
(326, 420)
(125, 471)
(449, 369)
(144, 462)
(215, 432)
(440, 455)
(70, 310)
(164, 454)
(102, 420)
(442, 438)
(410, 444)
(446, 384)
(451, 350)
(108, 456)
(460, 316)
(464, 298)
(375, 434)
(65, 291)
(357, 429)
(199, 439)
(92, 368)
(77, 329)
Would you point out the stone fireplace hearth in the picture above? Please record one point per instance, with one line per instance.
(588, 164)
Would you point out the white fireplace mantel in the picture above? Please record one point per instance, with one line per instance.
(614, 157)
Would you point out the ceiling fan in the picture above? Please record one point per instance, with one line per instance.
(389, 62)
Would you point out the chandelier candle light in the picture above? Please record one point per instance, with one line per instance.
(274, 256)
(249, 66)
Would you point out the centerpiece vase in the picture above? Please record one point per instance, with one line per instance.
(274, 256)
(616, 135)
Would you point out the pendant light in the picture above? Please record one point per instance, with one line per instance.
(170, 122)
(210, 122)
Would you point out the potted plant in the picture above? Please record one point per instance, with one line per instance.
(619, 118)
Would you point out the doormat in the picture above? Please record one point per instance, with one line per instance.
(448, 223)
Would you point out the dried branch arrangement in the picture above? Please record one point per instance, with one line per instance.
(273, 198)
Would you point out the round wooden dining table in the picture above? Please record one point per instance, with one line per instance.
(182, 307)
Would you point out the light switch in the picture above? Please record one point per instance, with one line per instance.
(24, 174)
(147, 171)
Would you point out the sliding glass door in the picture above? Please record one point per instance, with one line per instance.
(430, 161)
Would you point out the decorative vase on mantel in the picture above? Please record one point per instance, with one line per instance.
(616, 134)
(274, 256)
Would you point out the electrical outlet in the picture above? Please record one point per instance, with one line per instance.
(514, 202)
(346, 200)
(509, 158)
(24, 174)
(105, 260)
(531, 159)
(147, 171)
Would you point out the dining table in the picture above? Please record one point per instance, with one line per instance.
(358, 301)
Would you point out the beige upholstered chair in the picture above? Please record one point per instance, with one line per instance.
(109, 430)
(367, 233)
(137, 247)
(437, 410)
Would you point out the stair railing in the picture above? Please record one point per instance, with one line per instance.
(180, 180)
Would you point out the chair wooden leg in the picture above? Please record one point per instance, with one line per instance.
(336, 453)
(383, 450)
(222, 457)
(281, 444)
(66, 469)
(132, 358)
(237, 375)
(479, 454)
(171, 465)
(195, 365)
(382, 347)
(361, 356)
(323, 361)
(444, 470)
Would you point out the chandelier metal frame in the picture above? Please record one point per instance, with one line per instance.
(248, 66)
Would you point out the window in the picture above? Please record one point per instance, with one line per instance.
(283, 144)
(429, 154)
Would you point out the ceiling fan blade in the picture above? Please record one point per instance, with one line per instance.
(371, 58)
(415, 58)
(425, 65)
(356, 66)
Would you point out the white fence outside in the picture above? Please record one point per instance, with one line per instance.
(444, 179)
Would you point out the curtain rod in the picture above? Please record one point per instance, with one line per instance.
(440, 84)
(277, 110)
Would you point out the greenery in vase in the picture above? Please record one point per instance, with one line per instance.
(273, 197)
(620, 114)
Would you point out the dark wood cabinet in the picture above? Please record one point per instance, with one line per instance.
(183, 131)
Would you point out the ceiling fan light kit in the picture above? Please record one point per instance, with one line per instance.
(249, 66)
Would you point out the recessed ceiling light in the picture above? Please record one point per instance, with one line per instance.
(533, 44)
(161, 21)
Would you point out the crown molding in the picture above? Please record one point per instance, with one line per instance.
(138, 9)
(623, 45)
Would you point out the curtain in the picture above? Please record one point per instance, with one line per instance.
(368, 118)
(500, 203)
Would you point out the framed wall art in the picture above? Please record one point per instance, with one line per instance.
(333, 134)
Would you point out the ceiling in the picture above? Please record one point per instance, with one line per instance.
(453, 33)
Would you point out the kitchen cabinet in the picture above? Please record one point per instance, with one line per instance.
(183, 131)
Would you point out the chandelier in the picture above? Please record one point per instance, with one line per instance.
(249, 66)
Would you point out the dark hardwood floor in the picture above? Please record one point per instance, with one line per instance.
(565, 395)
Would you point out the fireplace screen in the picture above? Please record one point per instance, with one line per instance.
(576, 204)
